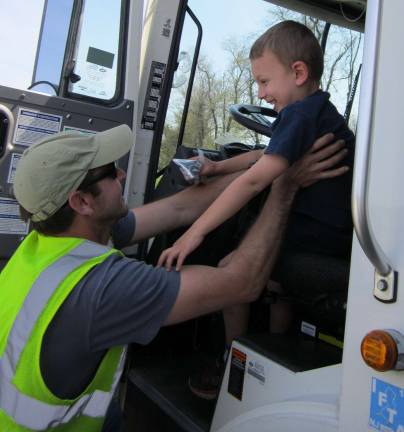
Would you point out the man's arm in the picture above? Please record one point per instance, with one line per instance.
(185, 207)
(180, 209)
(241, 279)
(233, 198)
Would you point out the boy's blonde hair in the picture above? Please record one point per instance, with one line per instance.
(291, 41)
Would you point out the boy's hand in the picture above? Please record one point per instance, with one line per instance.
(187, 243)
(208, 167)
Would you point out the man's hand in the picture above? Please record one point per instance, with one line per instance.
(316, 164)
(187, 243)
(208, 167)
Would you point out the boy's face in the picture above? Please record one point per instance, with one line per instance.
(276, 82)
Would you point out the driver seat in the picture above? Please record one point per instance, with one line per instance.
(317, 288)
(315, 284)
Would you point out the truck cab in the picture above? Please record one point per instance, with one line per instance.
(177, 72)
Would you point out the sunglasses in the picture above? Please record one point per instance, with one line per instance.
(98, 174)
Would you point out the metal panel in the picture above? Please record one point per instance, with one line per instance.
(72, 114)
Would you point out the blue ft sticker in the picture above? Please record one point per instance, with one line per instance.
(386, 407)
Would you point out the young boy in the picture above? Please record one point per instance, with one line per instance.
(287, 64)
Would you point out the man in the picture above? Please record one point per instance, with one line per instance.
(70, 303)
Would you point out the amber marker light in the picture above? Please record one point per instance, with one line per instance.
(379, 350)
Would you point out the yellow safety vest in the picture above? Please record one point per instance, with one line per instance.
(34, 284)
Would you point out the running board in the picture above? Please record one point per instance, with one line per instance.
(158, 397)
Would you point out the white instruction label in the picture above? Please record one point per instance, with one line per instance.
(33, 126)
(15, 157)
(10, 219)
(256, 370)
(308, 329)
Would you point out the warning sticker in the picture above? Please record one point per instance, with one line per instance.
(15, 157)
(386, 407)
(10, 219)
(32, 126)
(256, 370)
(236, 374)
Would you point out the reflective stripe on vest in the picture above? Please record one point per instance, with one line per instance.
(25, 410)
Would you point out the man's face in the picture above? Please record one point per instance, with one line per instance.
(276, 82)
(109, 203)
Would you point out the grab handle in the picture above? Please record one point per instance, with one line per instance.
(6, 128)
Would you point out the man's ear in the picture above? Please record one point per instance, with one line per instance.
(301, 72)
(81, 203)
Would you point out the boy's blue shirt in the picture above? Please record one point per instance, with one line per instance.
(294, 131)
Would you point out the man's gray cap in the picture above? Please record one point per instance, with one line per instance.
(50, 169)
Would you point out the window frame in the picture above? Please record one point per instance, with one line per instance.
(121, 60)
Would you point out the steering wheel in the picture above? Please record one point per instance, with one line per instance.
(253, 117)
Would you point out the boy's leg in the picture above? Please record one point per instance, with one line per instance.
(236, 317)
(205, 380)
(281, 314)
(235, 321)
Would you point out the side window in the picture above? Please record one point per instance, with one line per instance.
(85, 35)
(98, 51)
(51, 46)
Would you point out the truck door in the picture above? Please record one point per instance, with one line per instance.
(373, 397)
(69, 65)
(83, 65)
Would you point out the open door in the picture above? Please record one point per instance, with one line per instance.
(74, 67)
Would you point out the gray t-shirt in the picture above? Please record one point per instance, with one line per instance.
(120, 301)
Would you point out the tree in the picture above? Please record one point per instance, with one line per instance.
(208, 116)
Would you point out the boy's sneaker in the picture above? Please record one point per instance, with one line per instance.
(205, 381)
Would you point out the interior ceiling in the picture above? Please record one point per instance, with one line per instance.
(347, 13)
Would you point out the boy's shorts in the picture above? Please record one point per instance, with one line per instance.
(306, 234)
(314, 258)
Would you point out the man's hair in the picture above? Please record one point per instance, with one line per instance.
(63, 218)
(291, 41)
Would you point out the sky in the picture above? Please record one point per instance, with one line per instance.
(221, 19)
(232, 19)
(18, 47)
(18, 56)
(16, 62)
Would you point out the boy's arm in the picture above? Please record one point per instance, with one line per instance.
(178, 210)
(184, 207)
(234, 197)
(231, 165)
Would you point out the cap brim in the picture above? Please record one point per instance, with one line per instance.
(112, 145)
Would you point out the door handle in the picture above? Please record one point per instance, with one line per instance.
(385, 281)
